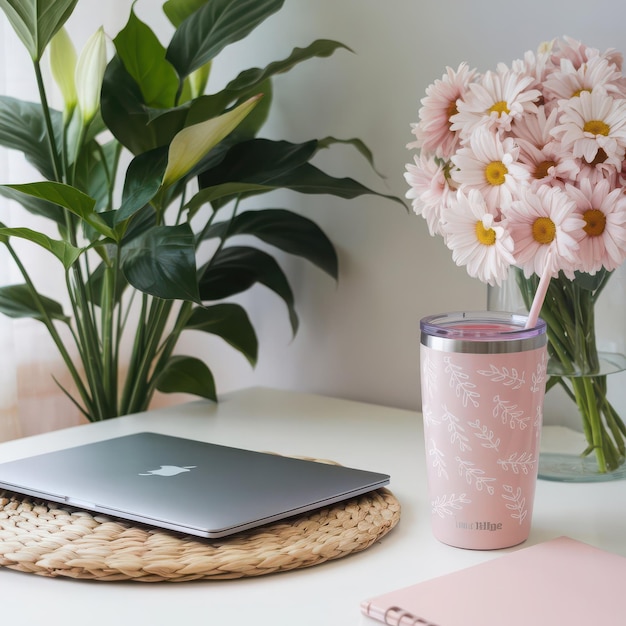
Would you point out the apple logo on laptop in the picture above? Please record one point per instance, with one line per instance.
(169, 470)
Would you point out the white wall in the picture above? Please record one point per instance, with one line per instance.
(359, 339)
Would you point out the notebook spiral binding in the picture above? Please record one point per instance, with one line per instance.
(404, 618)
(396, 616)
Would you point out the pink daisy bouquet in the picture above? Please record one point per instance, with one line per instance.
(522, 168)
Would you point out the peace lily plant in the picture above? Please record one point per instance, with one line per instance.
(153, 257)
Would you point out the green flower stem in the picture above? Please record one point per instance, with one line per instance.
(88, 349)
(54, 152)
(109, 358)
(592, 415)
(167, 349)
(568, 311)
(87, 407)
(136, 397)
(137, 349)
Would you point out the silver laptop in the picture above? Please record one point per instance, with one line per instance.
(184, 485)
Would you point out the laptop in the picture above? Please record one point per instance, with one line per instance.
(189, 486)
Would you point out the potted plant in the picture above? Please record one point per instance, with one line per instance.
(132, 240)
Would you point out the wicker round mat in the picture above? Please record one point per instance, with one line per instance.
(53, 540)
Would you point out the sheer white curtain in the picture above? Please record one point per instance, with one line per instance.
(30, 399)
(9, 420)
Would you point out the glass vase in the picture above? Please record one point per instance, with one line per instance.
(584, 436)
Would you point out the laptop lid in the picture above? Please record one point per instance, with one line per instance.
(180, 484)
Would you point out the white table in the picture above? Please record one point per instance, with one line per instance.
(352, 433)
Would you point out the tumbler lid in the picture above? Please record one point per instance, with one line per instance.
(481, 332)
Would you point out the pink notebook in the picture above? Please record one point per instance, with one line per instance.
(561, 582)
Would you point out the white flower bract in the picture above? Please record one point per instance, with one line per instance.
(476, 239)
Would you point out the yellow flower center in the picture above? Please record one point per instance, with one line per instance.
(495, 172)
(595, 222)
(541, 171)
(499, 108)
(577, 93)
(485, 236)
(544, 230)
(597, 127)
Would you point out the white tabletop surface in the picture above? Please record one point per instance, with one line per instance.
(361, 435)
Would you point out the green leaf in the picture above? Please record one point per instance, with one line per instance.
(17, 301)
(36, 21)
(185, 374)
(143, 179)
(69, 198)
(95, 282)
(230, 322)
(257, 161)
(235, 269)
(269, 163)
(220, 192)
(143, 57)
(36, 206)
(95, 171)
(251, 79)
(178, 11)
(356, 143)
(161, 262)
(62, 250)
(590, 282)
(125, 114)
(216, 24)
(286, 230)
(22, 127)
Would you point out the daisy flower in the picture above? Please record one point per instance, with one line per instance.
(569, 48)
(495, 101)
(433, 132)
(546, 231)
(593, 126)
(429, 189)
(536, 129)
(597, 74)
(595, 171)
(604, 232)
(476, 239)
(533, 65)
(548, 165)
(490, 165)
(578, 53)
(540, 153)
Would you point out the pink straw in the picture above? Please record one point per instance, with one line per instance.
(540, 296)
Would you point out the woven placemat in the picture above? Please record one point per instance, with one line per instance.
(53, 540)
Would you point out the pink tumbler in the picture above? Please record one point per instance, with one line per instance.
(483, 378)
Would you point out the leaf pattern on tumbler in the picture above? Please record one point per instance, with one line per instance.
(429, 375)
(515, 502)
(518, 462)
(429, 416)
(438, 459)
(475, 476)
(457, 432)
(538, 379)
(487, 435)
(512, 378)
(509, 413)
(446, 504)
(461, 384)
